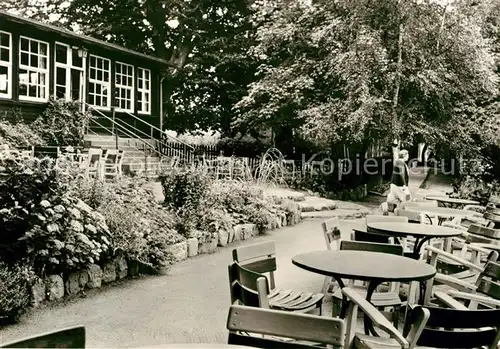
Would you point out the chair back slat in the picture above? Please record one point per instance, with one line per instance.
(436, 338)
(67, 338)
(244, 290)
(260, 257)
(371, 247)
(255, 251)
(490, 288)
(492, 270)
(363, 236)
(454, 328)
(413, 216)
(331, 231)
(484, 232)
(319, 329)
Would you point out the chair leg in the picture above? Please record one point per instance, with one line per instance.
(326, 284)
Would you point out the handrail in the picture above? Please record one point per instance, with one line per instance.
(161, 132)
(124, 129)
(131, 133)
(144, 133)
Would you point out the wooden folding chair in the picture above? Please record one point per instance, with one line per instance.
(261, 258)
(73, 337)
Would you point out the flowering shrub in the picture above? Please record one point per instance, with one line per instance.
(69, 235)
(139, 226)
(15, 283)
(24, 183)
(19, 134)
(62, 123)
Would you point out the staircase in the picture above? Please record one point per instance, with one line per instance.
(142, 153)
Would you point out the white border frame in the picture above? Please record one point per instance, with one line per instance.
(38, 70)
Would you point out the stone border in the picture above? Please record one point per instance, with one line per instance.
(54, 287)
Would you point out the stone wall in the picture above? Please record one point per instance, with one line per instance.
(55, 287)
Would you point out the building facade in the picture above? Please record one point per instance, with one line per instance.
(38, 61)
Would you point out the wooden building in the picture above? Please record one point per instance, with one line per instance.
(38, 61)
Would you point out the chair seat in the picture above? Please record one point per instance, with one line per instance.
(379, 299)
(291, 300)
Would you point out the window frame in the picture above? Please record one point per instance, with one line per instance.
(143, 91)
(8, 65)
(95, 81)
(120, 86)
(33, 69)
(66, 66)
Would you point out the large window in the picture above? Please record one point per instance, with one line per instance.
(124, 86)
(33, 70)
(5, 65)
(144, 91)
(99, 82)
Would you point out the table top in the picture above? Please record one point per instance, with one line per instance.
(453, 200)
(443, 211)
(362, 265)
(412, 229)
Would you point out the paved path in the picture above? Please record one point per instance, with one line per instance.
(189, 304)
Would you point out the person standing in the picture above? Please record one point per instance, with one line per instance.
(399, 191)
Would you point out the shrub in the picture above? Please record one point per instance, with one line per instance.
(62, 123)
(15, 295)
(139, 226)
(476, 181)
(69, 235)
(184, 192)
(19, 134)
(24, 183)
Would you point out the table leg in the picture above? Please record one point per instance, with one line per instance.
(345, 301)
(368, 324)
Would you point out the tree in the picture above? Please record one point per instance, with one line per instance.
(204, 41)
(361, 70)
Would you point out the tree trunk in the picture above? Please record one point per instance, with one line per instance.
(397, 84)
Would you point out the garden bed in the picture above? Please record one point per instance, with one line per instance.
(65, 234)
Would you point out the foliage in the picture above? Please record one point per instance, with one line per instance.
(139, 226)
(19, 134)
(15, 283)
(476, 181)
(62, 123)
(24, 183)
(183, 193)
(363, 70)
(68, 236)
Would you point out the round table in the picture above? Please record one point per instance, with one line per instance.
(373, 267)
(421, 232)
(452, 202)
(443, 213)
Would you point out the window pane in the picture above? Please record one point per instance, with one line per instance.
(76, 61)
(42, 63)
(43, 49)
(24, 44)
(24, 59)
(4, 55)
(4, 80)
(4, 40)
(61, 76)
(105, 101)
(61, 54)
(92, 61)
(34, 61)
(33, 46)
(106, 76)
